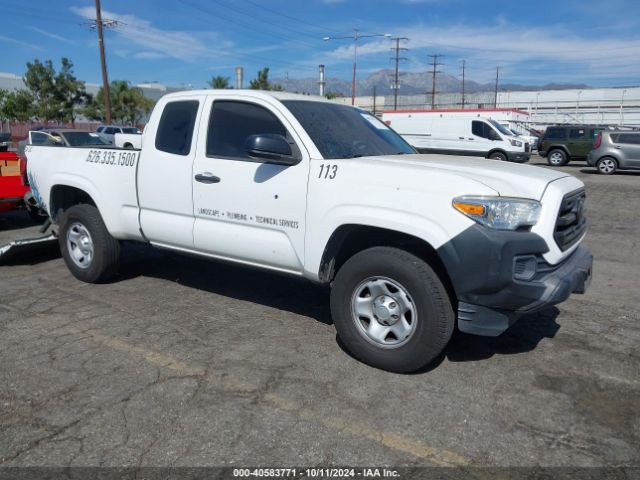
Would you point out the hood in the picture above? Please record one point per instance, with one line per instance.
(506, 178)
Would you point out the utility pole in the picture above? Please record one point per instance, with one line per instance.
(355, 39)
(495, 98)
(100, 24)
(397, 58)
(374, 100)
(463, 65)
(435, 64)
(103, 61)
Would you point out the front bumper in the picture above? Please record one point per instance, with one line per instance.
(494, 289)
(518, 157)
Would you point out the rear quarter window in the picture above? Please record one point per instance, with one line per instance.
(629, 138)
(175, 130)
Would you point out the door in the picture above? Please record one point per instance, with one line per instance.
(245, 209)
(479, 140)
(629, 146)
(580, 142)
(165, 181)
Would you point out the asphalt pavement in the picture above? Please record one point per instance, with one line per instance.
(185, 362)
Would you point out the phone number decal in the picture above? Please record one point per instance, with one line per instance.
(109, 157)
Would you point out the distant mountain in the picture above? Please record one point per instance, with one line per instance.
(410, 84)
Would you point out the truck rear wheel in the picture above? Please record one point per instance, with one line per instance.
(90, 252)
(391, 310)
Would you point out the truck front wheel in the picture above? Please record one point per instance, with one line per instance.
(391, 310)
(88, 249)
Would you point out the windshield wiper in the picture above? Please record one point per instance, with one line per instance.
(353, 155)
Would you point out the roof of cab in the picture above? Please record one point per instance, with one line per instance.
(248, 92)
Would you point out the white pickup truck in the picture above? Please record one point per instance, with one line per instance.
(409, 243)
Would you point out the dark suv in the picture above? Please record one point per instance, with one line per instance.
(570, 142)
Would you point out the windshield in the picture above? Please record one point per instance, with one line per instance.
(81, 139)
(501, 128)
(130, 130)
(340, 131)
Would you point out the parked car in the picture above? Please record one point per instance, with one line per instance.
(560, 144)
(615, 150)
(532, 140)
(65, 137)
(107, 132)
(128, 140)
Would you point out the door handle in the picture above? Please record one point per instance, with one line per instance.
(470, 138)
(207, 178)
(617, 146)
(461, 138)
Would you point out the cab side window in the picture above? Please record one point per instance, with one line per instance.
(480, 129)
(232, 122)
(577, 133)
(175, 130)
(555, 134)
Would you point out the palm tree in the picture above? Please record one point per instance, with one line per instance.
(219, 82)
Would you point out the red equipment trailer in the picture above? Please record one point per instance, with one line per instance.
(13, 185)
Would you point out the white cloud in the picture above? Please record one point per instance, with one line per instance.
(187, 46)
(513, 47)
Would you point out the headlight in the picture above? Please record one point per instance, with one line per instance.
(515, 143)
(500, 213)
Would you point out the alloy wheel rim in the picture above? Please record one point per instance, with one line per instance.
(606, 166)
(383, 312)
(556, 158)
(80, 245)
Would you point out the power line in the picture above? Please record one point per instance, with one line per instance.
(397, 58)
(434, 64)
(320, 29)
(250, 26)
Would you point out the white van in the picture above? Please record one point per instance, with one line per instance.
(455, 135)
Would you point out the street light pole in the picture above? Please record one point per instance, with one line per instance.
(355, 37)
(621, 107)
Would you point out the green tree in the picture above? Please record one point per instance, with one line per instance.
(16, 105)
(262, 82)
(56, 94)
(219, 82)
(128, 104)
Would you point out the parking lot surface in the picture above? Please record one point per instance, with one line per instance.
(187, 362)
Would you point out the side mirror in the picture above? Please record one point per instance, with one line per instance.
(270, 147)
(493, 135)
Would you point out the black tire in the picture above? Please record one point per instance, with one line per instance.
(434, 319)
(607, 165)
(498, 156)
(557, 157)
(103, 263)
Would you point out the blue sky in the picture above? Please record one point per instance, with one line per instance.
(185, 42)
